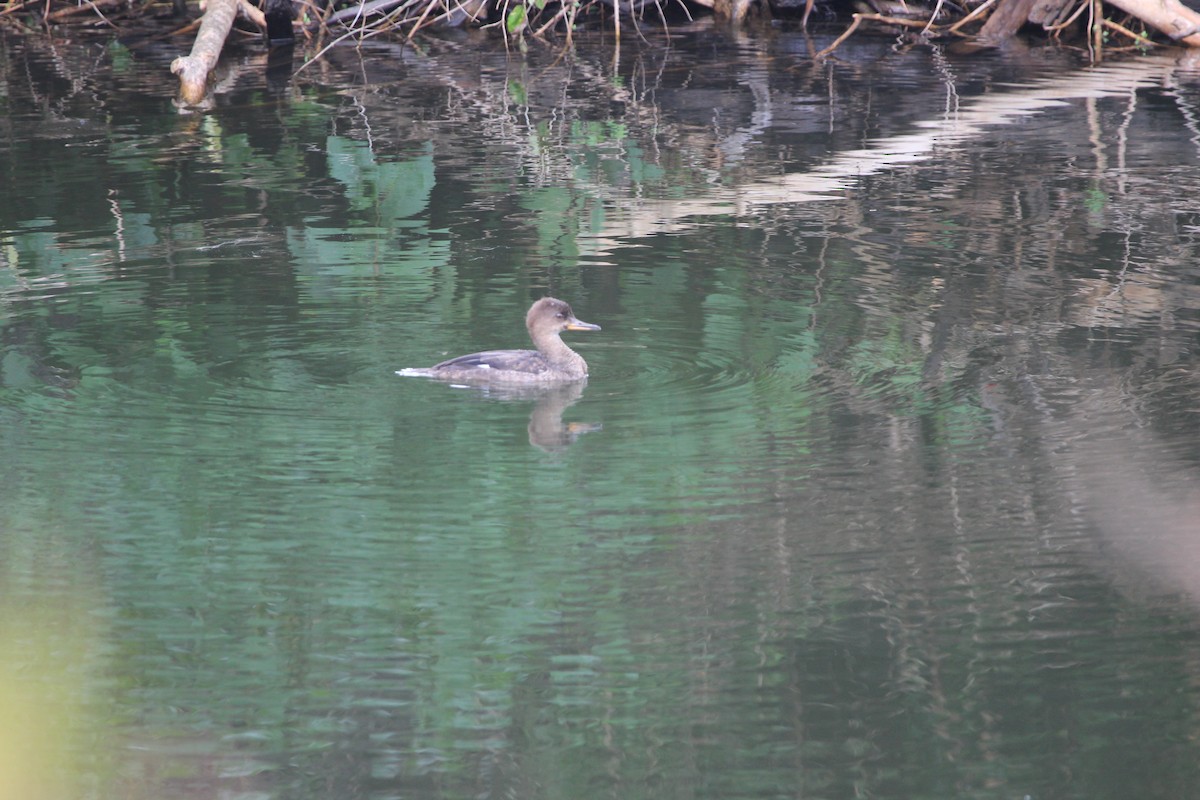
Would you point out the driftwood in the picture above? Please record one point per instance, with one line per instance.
(193, 69)
(1169, 16)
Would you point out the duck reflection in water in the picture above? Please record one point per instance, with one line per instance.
(553, 375)
(547, 431)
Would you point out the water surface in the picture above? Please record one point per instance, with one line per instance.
(886, 481)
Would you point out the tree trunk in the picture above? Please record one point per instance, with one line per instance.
(1006, 20)
(1049, 12)
(193, 69)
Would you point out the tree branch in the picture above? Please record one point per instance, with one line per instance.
(1169, 16)
(193, 69)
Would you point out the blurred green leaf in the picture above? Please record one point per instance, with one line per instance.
(515, 20)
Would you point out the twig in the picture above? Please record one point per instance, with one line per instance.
(571, 15)
(460, 7)
(100, 13)
(937, 10)
(1069, 21)
(252, 13)
(845, 35)
(904, 23)
(884, 18)
(1137, 37)
(16, 7)
(186, 29)
(348, 34)
(975, 13)
(364, 31)
(72, 11)
(420, 20)
(560, 14)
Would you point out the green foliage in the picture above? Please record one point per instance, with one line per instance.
(514, 20)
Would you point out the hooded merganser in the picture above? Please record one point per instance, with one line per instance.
(552, 361)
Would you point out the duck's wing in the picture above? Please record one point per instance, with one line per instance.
(530, 361)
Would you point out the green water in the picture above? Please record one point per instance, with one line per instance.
(889, 493)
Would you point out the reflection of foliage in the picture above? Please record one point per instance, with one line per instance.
(392, 190)
(890, 367)
(318, 570)
(517, 92)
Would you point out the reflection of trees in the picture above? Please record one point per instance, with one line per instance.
(1000, 340)
(965, 343)
(948, 599)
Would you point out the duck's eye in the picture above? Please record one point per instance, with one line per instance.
(561, 315)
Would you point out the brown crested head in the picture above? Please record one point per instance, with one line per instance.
(550, 314)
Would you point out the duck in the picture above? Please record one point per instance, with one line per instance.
(552, 362)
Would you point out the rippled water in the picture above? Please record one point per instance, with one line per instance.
(884, 482)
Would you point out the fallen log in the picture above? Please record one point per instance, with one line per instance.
(193, 69)
(1168, 16)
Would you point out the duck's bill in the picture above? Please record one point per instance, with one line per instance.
(579, 325)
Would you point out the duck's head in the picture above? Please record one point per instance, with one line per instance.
(550, 316)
